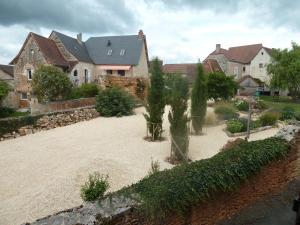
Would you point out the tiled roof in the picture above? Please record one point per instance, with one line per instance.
(221, 51)
(211, 66)
(7, 69)
(187, 69)
(243, 54)
(50, 50)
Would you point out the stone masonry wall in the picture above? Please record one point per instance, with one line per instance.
(121, 211)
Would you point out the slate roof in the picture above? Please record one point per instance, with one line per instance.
(98, 48)
(78, 50)
(7, 69)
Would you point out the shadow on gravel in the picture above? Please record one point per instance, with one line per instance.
(274, 209)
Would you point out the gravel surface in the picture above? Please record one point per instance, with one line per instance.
(42, 173)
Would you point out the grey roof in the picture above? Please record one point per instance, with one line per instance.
(7, 69)
(98, 48)
(74, 47)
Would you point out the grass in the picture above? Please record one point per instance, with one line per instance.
(279, 103)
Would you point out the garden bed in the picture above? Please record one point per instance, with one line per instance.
(229, 134)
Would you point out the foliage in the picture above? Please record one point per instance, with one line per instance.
(50, 83)
(285, 70)
(235, 126)
(269, 119)
(140, 88)
(114, 102)
(4, 90)
(155, 167)
(278, 103)
(178, 189)
(13, 124)
(88, 90)
(261, 104)
(287, 113)
(199, 101)
(242, 105)
(6, 112)
(94, 188)
(226, 111)
(297, 116)
(178, 118)
(155, 100)
(221, 86)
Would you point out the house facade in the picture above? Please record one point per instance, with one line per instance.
(84, 62)
(7, 75)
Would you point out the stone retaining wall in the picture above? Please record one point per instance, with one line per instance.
(57, 106)
(121, 211)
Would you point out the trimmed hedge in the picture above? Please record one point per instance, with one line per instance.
(13, 124)
(178, 189)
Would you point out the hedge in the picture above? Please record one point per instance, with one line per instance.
(13, 124)
(177, 189)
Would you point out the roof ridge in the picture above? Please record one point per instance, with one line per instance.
(246, 45)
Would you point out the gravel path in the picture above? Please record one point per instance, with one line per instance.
(42, 173)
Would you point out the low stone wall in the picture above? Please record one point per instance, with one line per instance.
(136, 86)
(121, 211)
(57, 106)
(50, 121)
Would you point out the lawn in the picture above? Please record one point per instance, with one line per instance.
(279, 103)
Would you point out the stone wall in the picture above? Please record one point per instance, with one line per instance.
(121, 211)
(57, 106)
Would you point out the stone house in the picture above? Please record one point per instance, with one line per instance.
(244, 61)
(85, 62)
(7, 75)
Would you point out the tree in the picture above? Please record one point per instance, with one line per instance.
(220, 86)
(285, 70)
(50, 83)
(199, 101)
(4, 90)
(155, 101)
(178, 118)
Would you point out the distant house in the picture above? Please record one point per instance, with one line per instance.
(85, 62)
(7, 74)
(244, 61)
(189, 70)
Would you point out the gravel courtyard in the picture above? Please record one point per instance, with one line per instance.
(42, 173)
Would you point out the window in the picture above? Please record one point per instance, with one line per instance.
(121, 73)
(122, 52)
(109, 52)
(109, 72)
(86, 76)
(261, 65)
(29, 74)
(262, 53)
(24, 96)
(75, 73)
(31, 52)
(244, 69)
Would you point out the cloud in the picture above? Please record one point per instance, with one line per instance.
(72, 15)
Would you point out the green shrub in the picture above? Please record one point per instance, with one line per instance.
(94, 188)
(297, 116)
(268, 119)
(6, 112)
(287, 113)
(226, 112)
(176, 190)
(114, 102)
(88, 90)
(234, 126)
(261, 105)
(242, 105)
(4, 90)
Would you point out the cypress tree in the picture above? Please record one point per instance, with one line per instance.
(199, 101)
(178, 119)
(155, 101)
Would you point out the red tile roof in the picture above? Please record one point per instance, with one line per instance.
(243, 54)
(188, 69)
(222, 51)
(211, 66)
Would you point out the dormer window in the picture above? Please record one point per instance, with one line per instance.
(122, 52)
(109, 52)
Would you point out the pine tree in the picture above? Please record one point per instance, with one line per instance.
(199, 101)
(155, 101)
(178, 119)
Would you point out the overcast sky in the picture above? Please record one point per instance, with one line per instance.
(178, 31)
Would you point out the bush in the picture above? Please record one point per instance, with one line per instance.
(287, 113)
(297, 116)
(176, 190)
(4, 90)
(6, 112)
(114, 102)
(88, 90)
(242, 105)
(155, 167)
(235, 126)
(225, 112)
(94, 188)
(268, 119)
(261, 105)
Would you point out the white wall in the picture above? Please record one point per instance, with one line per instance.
(260, 73)
(80, 67)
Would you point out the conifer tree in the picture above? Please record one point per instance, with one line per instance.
(199, 101)
(155, 101)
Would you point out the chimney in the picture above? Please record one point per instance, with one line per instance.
(218, 48)
(141, 34)
(79, 38)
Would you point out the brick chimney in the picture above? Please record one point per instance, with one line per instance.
(218, 48)
(141, 34)
(79, 38)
